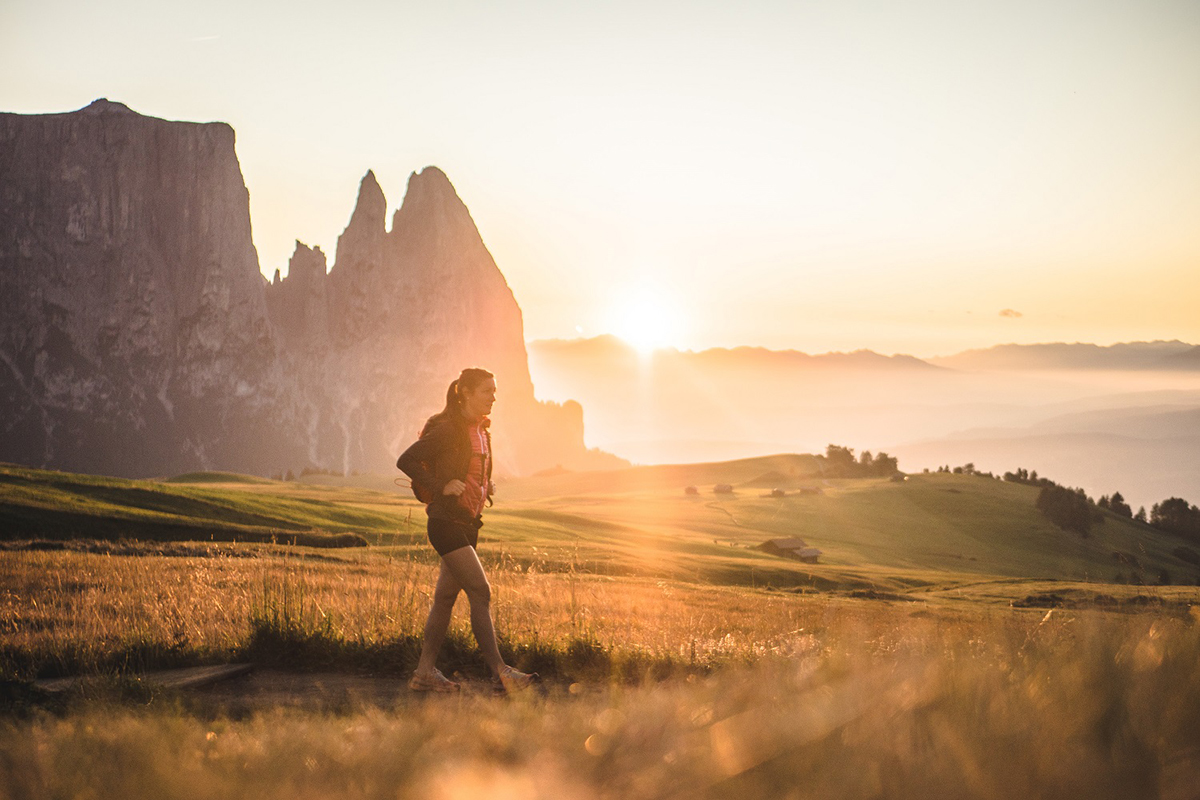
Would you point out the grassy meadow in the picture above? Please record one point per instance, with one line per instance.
(950, 642)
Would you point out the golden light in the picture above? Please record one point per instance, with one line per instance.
(647, 318)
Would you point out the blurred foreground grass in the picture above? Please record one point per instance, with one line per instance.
(1079, 706)
(656, 688)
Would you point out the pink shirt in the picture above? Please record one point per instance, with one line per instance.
(475, 495)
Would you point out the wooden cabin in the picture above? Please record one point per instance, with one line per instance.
(791, 548)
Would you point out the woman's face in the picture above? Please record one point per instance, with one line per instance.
(478, 402)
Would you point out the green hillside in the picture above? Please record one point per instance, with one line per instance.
(931, 529)
(38, 503)
(929, 532)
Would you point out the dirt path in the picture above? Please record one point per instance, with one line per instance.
(265, 689)
(239, 689)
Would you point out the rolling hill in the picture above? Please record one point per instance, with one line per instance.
(927, 532)
(931, 529)
(223, 507)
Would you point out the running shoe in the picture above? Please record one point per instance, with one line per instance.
(432, 682)
(514, 680)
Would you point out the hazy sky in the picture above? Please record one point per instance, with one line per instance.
(820, 176)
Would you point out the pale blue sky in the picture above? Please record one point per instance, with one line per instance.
(817, 176)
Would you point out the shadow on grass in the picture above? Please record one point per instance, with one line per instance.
(316, 649)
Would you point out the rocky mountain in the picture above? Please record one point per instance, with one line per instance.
(138, 337)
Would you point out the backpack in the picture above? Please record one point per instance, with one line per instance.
(420, 492)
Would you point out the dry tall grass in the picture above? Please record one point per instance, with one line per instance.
(812, 696)
(66, 612)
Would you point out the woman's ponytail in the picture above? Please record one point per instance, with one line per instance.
(465, 382)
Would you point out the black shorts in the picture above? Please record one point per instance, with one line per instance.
(447, 535)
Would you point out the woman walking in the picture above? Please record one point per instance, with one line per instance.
(450, 467)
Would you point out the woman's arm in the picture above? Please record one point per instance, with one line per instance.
(419, 461)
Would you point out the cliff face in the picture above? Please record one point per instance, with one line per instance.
(132, 323)
(137, 336)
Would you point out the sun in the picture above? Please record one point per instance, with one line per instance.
(647, 319)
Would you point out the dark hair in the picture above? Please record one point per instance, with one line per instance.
(467, 381)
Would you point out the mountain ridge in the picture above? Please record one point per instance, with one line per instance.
(1157, 354)
(1149, 355)
(139, 336)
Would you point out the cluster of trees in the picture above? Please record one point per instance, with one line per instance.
(1073, 510)
(965, 469)
(1069, 509)
(1118, 506)
(839, 462)
(1028, 478)
(1174, 515)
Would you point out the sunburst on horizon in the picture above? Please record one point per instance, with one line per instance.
(647, 318)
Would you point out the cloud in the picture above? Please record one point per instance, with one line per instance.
(1008, 312)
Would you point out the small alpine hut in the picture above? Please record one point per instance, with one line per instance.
(791, 548)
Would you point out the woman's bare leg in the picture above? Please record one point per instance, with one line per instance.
(444, 594)
(467, 573)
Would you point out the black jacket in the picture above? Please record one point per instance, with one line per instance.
(442, 454)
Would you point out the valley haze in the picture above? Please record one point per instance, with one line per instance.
(1120, 418)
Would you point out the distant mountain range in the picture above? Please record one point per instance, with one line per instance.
(1117, 418)
(1157, 355)
(1174, 355)
(615, 350)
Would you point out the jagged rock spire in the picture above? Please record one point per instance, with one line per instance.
(432, 204)
(360, 247)
(371, 207)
